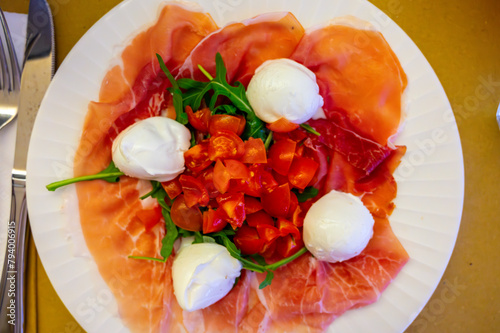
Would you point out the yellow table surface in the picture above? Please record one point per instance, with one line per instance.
(461, 40)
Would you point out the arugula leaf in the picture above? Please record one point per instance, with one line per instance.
(267, 280)
(309, 129)
(175, 90)
(167, 243)
(307, 193)
(111, 174)
(269, 138)
(225, 109)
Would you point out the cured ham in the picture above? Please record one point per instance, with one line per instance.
(110, 214)
(360, 78)
(352, 153)
(244, 46)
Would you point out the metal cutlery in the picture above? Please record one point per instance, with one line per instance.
(36, 76)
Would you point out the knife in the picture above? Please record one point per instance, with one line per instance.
(37, 73)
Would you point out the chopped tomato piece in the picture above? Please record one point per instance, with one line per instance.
(225, 144)
(280, 178)
(185, 217)
(267, 181)
(252, 205)
(150, 217)
(213, 221)
(267, 232)
(268, 249)
(255, 151)
(294, 203)
(247, 240)
(243, 123)
(287, 246)
(221, 177)
(196, 158)
(286, 227)
(281, 155)
(233, 204)
(236, 169)
(277, 202)
(200, 119)
(224, 122)
(207, 178)
(260, 217)
(172, 187)
(194, 191)
(302, 171)
(282, 125)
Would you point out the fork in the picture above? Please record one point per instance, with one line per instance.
(10, 77)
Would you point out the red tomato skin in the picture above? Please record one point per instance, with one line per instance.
(172, 187)
(233, 205)
(194, 191)
(221, 177)
(213, 221)
(207, 178)
(255, 151)
(200, 119)
(226, 122)
(286, 227)
(252, 205)
(302, 171)
(277, 202)
(282, 125)
(287, 246)
(281, 155)
(225, 144)
(189, 218)
(267, 232)
(196, 158)
(236, 169)
(247, 240)
(260, 217)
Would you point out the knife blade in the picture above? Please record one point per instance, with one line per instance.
(36, 75)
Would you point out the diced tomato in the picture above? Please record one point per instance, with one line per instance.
(268, 249)
(260, 217)
(213, 221)
(185, 217)
(299, 151)
(233, 204)
(277, 202)
(287, 246)
(282, 125)
(247, 240)
(286, 227)
(150, 217)
(252, 205)
(172, 187)
(267, 232)
(281, 155)
(280, 178)
(294, 203)
(255, 151)
(225, 144)
(200, 119)
(302, 172)
(224, 122)
(196, 158)
(236, 169)
(207, 178)
(194, 191)
(221, 177)
(267, 181)
(243, 122)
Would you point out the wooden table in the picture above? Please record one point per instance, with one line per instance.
(461, 40)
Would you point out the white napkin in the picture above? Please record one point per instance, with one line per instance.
(17, 26)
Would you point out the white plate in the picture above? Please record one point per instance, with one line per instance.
(430, 178)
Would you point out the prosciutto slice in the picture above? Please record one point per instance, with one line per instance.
(110, 213)
(244, 46)
(306, 295)
(360, 78)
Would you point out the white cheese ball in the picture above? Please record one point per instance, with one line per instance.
(152, 149)
(337, 227)
(203, 274)
(284, 88)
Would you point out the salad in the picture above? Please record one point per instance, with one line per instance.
(247, 185)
